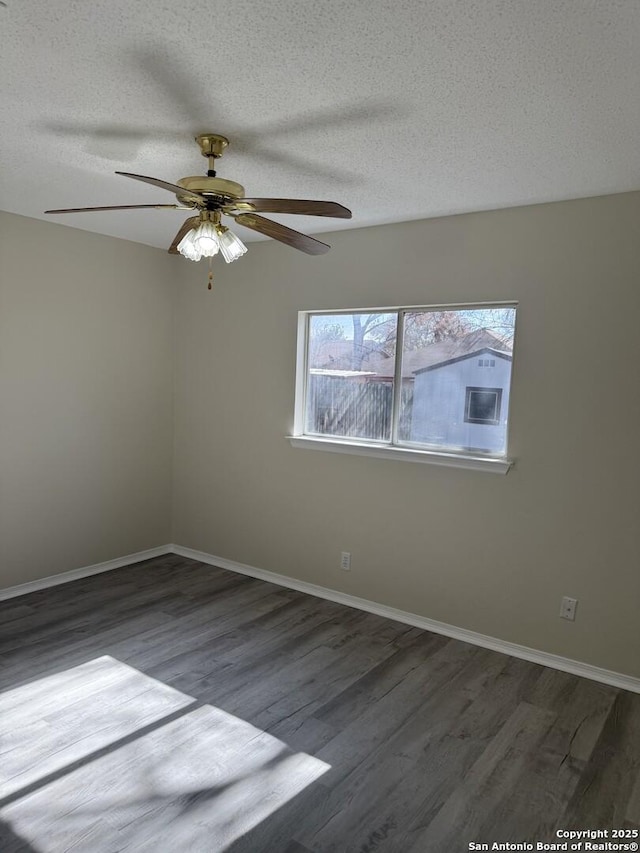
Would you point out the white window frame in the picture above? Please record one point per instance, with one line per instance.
(478, 461)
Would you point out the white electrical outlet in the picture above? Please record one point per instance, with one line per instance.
(345, 561)
(568, 608)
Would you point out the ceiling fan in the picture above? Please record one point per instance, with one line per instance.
(204, 235)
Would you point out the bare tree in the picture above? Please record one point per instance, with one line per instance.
(376, 332)
(377, 328)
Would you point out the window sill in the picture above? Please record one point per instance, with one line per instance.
(405, 454)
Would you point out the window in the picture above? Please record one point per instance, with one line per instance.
(407, 379)
(482, 405)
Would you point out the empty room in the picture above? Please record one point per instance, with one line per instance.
(318, 419)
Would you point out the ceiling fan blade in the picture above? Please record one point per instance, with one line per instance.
(173, 188)
(119, 207)
(187, 225)
(293, 205)
(280, 232)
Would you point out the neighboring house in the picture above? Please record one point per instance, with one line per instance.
(463, 402)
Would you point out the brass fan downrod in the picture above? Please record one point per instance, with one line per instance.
(212, 146)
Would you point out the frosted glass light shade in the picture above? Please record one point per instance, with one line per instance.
(188, 248)
(231, 246)
(206, 239)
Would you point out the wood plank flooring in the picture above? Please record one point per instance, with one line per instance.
(171, 707)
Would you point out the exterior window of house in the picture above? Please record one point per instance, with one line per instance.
(408, 378)
(482, 405)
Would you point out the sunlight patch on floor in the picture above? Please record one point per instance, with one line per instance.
(102, 756)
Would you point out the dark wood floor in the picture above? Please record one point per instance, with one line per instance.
(173, 707)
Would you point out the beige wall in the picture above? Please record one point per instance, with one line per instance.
(85, 398)
(490, 553)
(86, 337)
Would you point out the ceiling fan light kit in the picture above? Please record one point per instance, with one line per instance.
(204, 235)
(208, 237)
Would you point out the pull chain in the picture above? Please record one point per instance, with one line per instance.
(210, 275)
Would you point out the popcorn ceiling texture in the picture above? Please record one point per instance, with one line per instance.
(400, 110)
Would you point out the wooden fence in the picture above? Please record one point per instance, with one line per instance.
(355, 407)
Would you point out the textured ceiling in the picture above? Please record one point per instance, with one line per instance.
(400, 110)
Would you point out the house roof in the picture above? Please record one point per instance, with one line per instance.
(337, 356)
(474, 354)
(453, 349)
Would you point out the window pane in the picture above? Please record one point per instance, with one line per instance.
(350, 374)
(456, 376)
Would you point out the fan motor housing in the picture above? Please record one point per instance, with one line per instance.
(219, 188)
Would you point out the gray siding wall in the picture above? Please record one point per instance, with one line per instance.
(439, 404)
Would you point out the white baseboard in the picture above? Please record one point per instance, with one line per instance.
(585, 670)
(83, 572)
